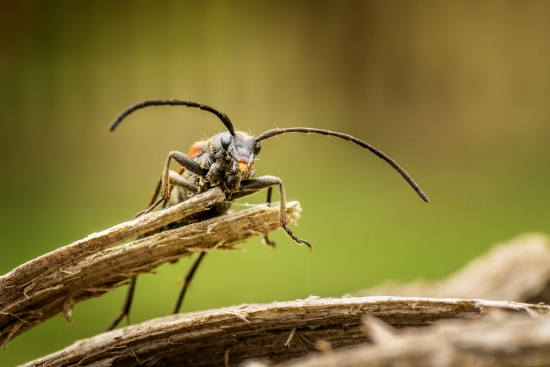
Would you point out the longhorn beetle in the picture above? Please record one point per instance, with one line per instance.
(226, 160)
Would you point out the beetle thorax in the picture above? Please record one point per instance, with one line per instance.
(228, 158)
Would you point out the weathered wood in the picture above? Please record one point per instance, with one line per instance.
(261, 331)
(53, 283)
(497, 341)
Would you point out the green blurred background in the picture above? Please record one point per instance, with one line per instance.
(457, 92)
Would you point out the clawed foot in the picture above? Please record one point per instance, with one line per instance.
(296, 239)
(149, 209)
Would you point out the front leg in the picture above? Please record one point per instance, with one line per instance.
(265, 182)
(171, 177)
(266, 239)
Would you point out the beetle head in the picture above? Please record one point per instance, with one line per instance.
(241, 149)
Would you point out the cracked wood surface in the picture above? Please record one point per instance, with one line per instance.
(493, 341)
(234, 334)
(53, 283)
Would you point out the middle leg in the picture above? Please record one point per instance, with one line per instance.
(265, 182)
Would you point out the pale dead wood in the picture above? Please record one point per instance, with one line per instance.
(261, 331)
(517, 271)
(497, 341)
(53, 283)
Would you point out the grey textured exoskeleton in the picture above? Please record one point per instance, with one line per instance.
(227, 161)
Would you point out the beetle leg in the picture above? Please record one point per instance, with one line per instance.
(125, 311)
(176, 179)
(265, 182)
(187, 280)
(186, 162)
(266, 239)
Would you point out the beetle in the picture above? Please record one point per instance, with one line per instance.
(226, 160)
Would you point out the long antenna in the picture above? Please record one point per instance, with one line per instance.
(307, 130)
(173, 102)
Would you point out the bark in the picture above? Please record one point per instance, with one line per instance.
(277, 331)
(55, 282)
(497, 341)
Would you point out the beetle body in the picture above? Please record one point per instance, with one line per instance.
(227, 165)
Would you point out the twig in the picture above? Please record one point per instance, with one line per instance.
(53, 283)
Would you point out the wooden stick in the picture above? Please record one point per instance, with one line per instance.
(55, 282)
(261, 331)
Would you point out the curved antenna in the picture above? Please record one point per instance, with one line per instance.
(173, 102)
(307, 130)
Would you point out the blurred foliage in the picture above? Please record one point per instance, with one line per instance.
(456, 92)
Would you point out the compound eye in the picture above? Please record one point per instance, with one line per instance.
(226, 140)
(257, 148)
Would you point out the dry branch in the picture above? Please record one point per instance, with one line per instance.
(497, 341)
(53, 283)
(262, 331)
(516, 271)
